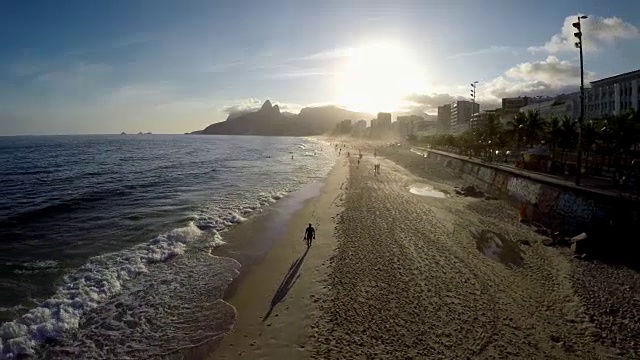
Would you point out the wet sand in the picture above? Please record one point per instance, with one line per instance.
(396, 274)
(276, 298)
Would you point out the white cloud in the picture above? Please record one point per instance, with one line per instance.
(326, 55)
(551, 70)
(428, 103)
(550, 76)
(494, 49)
(313, 64)
(243, 106)
(597, 33)
(222, 67)
(546, 77)
(297, 74)
(292, 108)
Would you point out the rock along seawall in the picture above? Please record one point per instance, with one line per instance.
(553, 203)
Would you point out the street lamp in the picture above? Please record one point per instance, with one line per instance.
(578, 35)
(473, 91)
(473, 100)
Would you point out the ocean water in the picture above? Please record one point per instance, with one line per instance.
(105, 241)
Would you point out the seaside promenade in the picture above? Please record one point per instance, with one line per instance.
(394, 274)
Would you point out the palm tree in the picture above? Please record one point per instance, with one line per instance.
(502, 140)
(449, 140)
(605, 140)
(526, 128)
(625, 132)
(553, 134)
(489, 133)
(515, 129)
(568, 135)
(534, 127)
(589, 136)
(633, 118)
(468, 143)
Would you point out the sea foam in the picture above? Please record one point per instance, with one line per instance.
(100, 278)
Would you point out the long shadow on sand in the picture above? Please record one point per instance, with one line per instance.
(286, 284)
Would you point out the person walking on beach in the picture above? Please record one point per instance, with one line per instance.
(309, 234)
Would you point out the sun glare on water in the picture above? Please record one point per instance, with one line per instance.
(379, 77)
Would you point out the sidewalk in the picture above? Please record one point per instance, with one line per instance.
(588, 184)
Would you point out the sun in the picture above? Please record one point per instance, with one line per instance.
(378, 77)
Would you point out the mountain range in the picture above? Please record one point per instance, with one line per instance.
(270, 121)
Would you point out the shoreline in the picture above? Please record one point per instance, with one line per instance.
(267, 303)
(432, 282)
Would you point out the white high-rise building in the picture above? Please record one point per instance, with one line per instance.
(613, 95)
(461, 112)
(444, 119)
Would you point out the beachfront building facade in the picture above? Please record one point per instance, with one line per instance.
(427, 126)
(359, 128)
(384, 120)
(444, 119)
(613, 95)
(344, 127)
(381, 124)
(461, 112)
(479, 119)
(408, 125)
(511, 106)
(561, 105)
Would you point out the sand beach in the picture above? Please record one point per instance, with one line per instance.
(422, 274)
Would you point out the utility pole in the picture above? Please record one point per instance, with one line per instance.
(578, 44)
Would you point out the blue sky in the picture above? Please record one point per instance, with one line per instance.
(175, 66)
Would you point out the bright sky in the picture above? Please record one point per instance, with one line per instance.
(69, 67)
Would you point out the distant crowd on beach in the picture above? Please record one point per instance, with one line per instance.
(339, 146)
(310, 231)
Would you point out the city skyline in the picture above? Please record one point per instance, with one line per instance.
(170, 67)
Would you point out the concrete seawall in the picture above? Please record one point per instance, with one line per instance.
(556, 204)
